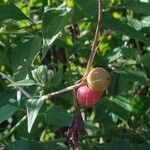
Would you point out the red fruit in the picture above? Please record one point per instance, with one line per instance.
(87, 97)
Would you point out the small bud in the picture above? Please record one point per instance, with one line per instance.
(42, 75)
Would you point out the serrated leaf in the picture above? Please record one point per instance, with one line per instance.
(58, 116)
(26, 82)
(24, 145)
(33, 107)
(10, 11)
(6, 112)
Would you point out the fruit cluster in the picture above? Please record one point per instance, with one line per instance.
(89, 94)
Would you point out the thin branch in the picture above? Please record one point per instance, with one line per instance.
(95, 41)
(64, 90)
(48, 95)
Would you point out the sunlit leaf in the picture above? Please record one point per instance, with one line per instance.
(33, 107)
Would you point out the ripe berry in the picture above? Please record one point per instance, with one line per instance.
(98, 79)
(87, 97)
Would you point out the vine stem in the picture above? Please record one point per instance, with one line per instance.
(64, 90)
(14, 128)
(95, 41)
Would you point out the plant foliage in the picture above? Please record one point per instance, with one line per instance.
(44, 47)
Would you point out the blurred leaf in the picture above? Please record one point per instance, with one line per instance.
(120, 107)
(84, 9)
(123, 102)
(114, 55)
(5, 97)
(4, 59)
(136, 24)
(24, 54)
(55, 146)
(120, 144)
(119, 52)
(33, 107)
(128, 53)
(146, 21)
(26, 82)
(6, 112)
(136, 6)
(91, 126)
(24, 145)
(56, 80)
(114, 24)
(133, 75)
(10, 11)
(58, 116)
(146, 60)
(53, 23)
(102, 113)
(142, 146)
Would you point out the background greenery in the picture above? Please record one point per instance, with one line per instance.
(58, 34)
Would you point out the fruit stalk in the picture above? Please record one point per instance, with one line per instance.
(95, 41)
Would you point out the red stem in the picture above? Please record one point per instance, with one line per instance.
(95, 41)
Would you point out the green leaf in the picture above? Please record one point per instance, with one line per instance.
(114, 55)
(56, 80)
(114, 24)
(133, 75)
(84, 9)
(33, 108)
(4, 59)
(24, 54)
(24, 145)
(26, 82)
(123, 102)
(55, 146)
(146, 60)
(136, 6)
(58, 116)
(120, 144)
(5, 97)
(136, 24)
(146, 21)
(101, 111)
(142, 146)
(10, 11)
(54, 21)
(6, 112)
